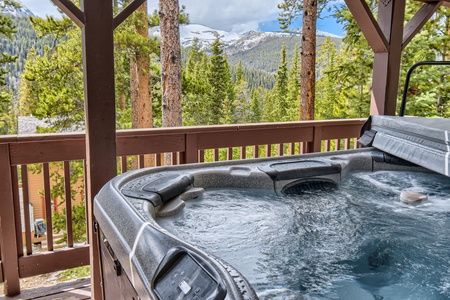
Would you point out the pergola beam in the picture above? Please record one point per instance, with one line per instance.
(368, 25)
(126, 12)
(419, 19)
(72, 11)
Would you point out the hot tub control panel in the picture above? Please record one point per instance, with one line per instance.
(184, 275)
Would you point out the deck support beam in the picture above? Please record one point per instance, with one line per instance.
(8, 234)
(96, 19)
(388, 37)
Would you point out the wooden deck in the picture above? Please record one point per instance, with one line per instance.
(79, 289)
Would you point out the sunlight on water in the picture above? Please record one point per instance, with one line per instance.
(356, 242)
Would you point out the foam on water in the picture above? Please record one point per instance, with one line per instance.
(357, 242)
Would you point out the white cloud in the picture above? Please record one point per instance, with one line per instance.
(229, 15)
(41, 8)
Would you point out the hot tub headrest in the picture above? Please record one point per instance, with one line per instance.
(161, 189)
(300, 169)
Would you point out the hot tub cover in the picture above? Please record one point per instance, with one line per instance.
(423, 141)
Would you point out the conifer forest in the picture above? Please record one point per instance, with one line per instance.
(41, 75)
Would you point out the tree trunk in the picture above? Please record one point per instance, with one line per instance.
(308, 68)
(170, 64)
(141, 98)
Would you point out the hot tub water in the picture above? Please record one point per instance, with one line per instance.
(355, 242)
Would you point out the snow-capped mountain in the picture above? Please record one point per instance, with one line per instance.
(18, 12)
(232, 41)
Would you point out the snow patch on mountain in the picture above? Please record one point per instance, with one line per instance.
(17, 12)
(230, 40)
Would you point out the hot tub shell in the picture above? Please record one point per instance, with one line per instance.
(142, 260)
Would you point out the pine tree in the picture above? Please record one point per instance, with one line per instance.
(6, 31)
(355, 68)
(241, 103)
(328, 87)
(293, 94)
(196, 88)
(219, 81)
(281, 88)
(255, 109)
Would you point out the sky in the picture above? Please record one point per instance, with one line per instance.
(229, 15)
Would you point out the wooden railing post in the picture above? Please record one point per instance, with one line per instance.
(316, 144)
(9, 253)
(190, 154)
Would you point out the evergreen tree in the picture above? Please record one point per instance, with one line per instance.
(281, 88)
(196, 88)
(6, 31)
(328, 87)
(269, 104)
(241, 103)
(219, 81)
(255, 110)
(355, 68)
(293, 96)
(428, 89)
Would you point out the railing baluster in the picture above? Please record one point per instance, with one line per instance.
(304, 147)
(243, 152)
(16, 202)
(292, 148)
(355, 143)
(158, 159)
(256, 151)
(68, 203)
(86, 192)
(26, 209)
(123, 164)
(327, 145)
(202, 156)
(48, 206)
(229, 153)
(347, 143)
(174, 158)
(216, 154)
(337, 146)
(268, 150)
(280, 149)
(141, 161)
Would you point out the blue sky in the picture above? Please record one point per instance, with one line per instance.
(229, 15)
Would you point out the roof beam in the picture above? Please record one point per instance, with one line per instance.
(72, 11)
(126, 12)
(420, 18)
(369, 26)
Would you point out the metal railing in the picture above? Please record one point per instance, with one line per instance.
(21, 156)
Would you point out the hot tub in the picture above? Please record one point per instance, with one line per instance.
(278, 228)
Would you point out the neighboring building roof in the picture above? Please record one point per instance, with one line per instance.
(28, 125)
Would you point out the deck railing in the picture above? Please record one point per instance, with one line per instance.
(21, 154)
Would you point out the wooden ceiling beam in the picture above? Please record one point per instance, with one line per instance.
(369, 26)
(72, 11)
(126, 12)
(420, 18)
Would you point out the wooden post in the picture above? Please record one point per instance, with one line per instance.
(98, 62)
(10, 262)
(386, 71)
(388, 37)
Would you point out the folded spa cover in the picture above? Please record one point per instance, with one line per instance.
(423, 141)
